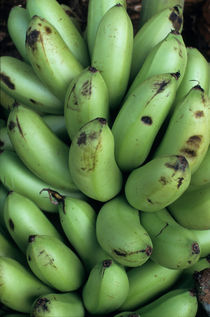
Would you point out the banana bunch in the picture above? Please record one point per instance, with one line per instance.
(104, 163)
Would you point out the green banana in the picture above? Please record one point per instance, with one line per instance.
(18, 287)
(53, 12)
(9, 249)
(92, 163)
(121, 234)
(23, 218)
(96, 11)
(86, 99)
(174, 246)
(39, 148)
(192, 209)
(152, 32)
(57, 124)
(188, 129)
(146, 282)
(106, 288)
(112, 52)
(5, 143)
(158, 183)
(54, 305)
(17, 24)
(203, 238)
(135, 131)
(6, 101)
(19, 81)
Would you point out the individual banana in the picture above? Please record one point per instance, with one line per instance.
(57, 124)
(157, 183)
(23, 218)
(19, 81)
(62, 305)
(203, 238)
(112, 52)
(96, 11)
(39, 148)
(18, 286)
(153, 32)
(5, 143)
(146, 282)
(135, 131)
(174, 246)
(192, 209)
(17, 24)
(86, 98)
(106, 288)
(92, 162)
(188, 130)
(121, 234)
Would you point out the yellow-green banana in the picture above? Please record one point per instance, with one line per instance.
(5, 143)
(96, 11)
(203, 238)
(39, 148)
(121, 234)
(86, 99)
(174, 246)
(152, 32)
(54, 13)
(57, 124)
(18, 287)
(112, 52)
(187, 133)
(54, 263)
(23, 218)
(19, 81)
(158, 183)
(135, 130)
(62, 305)
(192, 209)
(106, 287)
(92, 162)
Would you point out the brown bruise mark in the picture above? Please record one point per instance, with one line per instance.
(72, 94)
(195, 248)
(163, 180)
(107, 263)
(19, 127)
(149, 201)
(180, 164)
(166, 225)
(176, 19)
(161, 86)
(6, 79)
(31, 38)
(199, 114)
(11, 224)
(124, 253)
(92, 69)
(180, 181)
(31, 238)
(82, 138)
(192, 145)
(176, 75)
(102, 121)
(42, 304)
(147, 120)
(11, 125)
(87, 88)
(48, 29)
(195, 141)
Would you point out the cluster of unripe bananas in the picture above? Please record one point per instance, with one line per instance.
(104, 163)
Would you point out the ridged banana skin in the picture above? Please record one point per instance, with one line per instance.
(62, 305)
(39, 148)
(106, 288)
(50, 57)
(203, 238)
(192, 209)
(121, 234)
(53, 12)
(19, 81)
(96, 11)
(9, 249)
(153, 32)
(86, 99)
(21, 296)
(134, 131)
(174, 246)
(54, 263)
(112, 52)
(146, 282)
(6, 101)
(188, 130)
(92, 162)
(17, 24)
(158, 183)
(5, 143)
(23, 218)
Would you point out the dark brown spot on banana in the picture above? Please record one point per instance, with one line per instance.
(11, 125)
(11, 224)
(199, 114)
(195, 248)
(107, 263)
(19, 127)
(31, 238)
(176, 19)
(124, 253)
(102, 121)
(188, 152)
(31, 38)
(195, 141)
(176, 75)
(87, 88)
(180, 181)
(41, 304)
(82, 138)
(180, 164)
(7, 81)
(163, 180)
(147, 120)
(92, 69)
(48, 29)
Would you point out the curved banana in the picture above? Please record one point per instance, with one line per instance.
(92, 162)
(23, 218)
(54, 13)
(62, 305)
(152, 32)
(17, 24)
(157, 183)
(6, 101)
(190, 124)
(58, 126)
(121, 235)
(21, 296)
(96, 11)
(112, 52)
(203, 238)
(174, 246)
(86, 99)
(106, 287)
(39, 148)
(134, 131)
(192, 209)
(5, 143)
